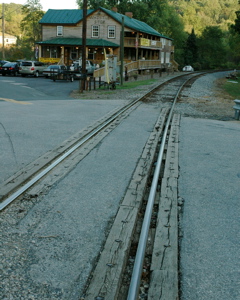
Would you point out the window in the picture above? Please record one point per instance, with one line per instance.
(111, 32)
(74, 53)
(53, 52)
(95, 31)
(59, 30)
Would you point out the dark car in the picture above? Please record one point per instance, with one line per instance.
(3, 62)
(10, 68)
(53, 70)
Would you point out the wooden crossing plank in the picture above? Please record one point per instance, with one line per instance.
(105, 279)
(164, 266)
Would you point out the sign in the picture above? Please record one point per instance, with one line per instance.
(49, 60)
(144, 42)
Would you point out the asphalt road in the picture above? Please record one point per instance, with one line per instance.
(30, 88)
(37, 115)
(209, 184)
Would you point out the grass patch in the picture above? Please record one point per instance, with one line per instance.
(131, 84)
(232, 88)
(134, 84)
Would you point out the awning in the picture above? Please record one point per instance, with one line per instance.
(78, 42)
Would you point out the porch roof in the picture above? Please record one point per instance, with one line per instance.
(78, 42)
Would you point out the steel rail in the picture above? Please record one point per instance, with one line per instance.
(139, 258)
(46, 170)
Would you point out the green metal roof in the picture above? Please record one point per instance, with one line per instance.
(63, 16)
(73, 16)
(78, 42)
(132, 23)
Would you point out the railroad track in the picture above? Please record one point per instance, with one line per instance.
(111, 278)
(140, 256)
(20, 182)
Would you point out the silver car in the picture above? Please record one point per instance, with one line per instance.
(30, 67)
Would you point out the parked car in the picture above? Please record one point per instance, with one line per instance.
(3, 62)
(10, 68)
(53, 69)
(30, 67)
(188, 69)
(90, 67)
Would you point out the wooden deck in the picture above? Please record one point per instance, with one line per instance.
(134, 66)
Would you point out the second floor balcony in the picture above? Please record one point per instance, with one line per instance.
(142, 43)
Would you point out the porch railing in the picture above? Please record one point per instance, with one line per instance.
(141, 42)
(134, 66)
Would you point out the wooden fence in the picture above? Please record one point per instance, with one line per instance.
(134, 66)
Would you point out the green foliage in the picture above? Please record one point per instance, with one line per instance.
(200, 14)
(30, 23)
(131, 85)
(234, 48)
(232, 89)
(212, 52)
(191, 50)
(22, 22)
(236, 26)
(12, 18)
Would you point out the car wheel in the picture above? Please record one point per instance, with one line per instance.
(3, 74)
(36, 74)
(23, 75)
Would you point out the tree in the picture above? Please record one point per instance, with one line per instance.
(236, 26)
(29, 25)
(191, 49)
(212, 50)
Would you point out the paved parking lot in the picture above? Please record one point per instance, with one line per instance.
(31, 88)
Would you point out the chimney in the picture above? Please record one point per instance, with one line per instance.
(129, 14)
(114, 9)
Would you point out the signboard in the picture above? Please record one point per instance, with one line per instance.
(49, 60)
(144, 42)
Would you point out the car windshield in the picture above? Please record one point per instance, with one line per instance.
(9, 65)
(26, 64)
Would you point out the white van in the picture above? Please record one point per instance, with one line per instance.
(30, 67)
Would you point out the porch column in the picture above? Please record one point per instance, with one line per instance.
(39, 51)
(62, 56)
(136, 45)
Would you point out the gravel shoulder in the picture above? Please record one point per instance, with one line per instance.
(205, 99)
(208, 98)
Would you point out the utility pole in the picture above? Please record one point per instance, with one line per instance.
(122, 52)
(84, 38)
(3, 32)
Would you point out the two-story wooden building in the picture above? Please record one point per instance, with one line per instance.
(62, 37)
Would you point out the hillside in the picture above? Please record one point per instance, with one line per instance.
(199, 14)
(193, 13)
